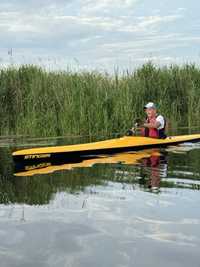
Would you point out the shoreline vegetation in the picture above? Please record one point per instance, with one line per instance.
(38, 103)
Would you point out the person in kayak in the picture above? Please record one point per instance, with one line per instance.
(155, 124)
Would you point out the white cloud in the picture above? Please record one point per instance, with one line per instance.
(101, 31)
(156, 20)
(55, 24)
(105, 6)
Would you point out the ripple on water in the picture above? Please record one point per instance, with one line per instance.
(133, 213)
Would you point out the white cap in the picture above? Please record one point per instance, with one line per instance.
(150, 105)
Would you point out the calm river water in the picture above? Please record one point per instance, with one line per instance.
(131, 209)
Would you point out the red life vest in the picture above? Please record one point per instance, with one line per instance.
(153, 132)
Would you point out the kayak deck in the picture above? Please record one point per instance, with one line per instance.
(125, 143)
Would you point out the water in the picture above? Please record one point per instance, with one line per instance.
(132, 209)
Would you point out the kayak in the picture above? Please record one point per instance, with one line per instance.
(117, 145)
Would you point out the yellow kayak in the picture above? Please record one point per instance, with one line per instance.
(126, 143)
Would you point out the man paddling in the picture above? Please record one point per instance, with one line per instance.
(155, 124)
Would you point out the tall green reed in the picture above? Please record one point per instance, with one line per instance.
(35, 102)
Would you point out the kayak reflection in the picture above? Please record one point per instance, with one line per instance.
(149, 157)
(118, 174)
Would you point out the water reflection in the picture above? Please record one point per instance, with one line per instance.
(105, 211)
(89, 161)
(155, 168)
(150, 170)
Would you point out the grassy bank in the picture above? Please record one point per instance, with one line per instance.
(39, 103)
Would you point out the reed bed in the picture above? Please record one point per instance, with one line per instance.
(39, 103)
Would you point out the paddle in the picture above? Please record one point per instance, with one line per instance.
(132, 131)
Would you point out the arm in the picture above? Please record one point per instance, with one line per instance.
(155, 124)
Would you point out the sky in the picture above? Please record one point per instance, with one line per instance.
(99, 34)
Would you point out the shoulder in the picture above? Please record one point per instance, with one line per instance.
(160, 117)
(161, 120)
